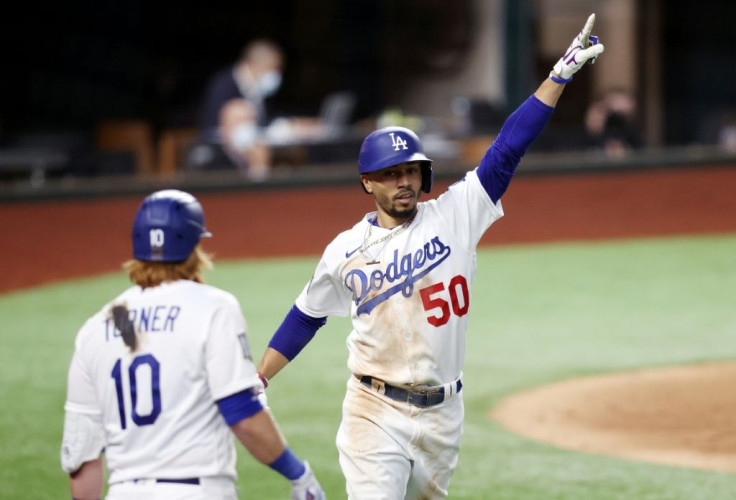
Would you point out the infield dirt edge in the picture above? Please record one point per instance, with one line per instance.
(676, 415)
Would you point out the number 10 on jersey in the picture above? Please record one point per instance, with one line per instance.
(137, 384)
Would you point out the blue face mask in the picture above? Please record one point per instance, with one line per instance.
(269, 83)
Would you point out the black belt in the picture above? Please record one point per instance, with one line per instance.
(428, 397)
(184, 480)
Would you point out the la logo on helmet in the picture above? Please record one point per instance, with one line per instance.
(397, 142)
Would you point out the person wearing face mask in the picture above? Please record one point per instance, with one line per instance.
(233, 115)
(242, 140)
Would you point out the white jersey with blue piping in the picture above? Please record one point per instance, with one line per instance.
(157, 404)
(408, 293)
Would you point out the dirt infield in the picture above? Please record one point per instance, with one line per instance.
(682, 415)
(51, 241)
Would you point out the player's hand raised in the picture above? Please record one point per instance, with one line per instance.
(584, 47)
(307, 487)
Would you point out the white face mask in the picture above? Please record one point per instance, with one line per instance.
(269, 83)
(244, 136)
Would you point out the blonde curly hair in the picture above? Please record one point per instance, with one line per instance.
(149, 274)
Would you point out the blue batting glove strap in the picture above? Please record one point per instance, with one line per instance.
(557, 79)
(288, 465)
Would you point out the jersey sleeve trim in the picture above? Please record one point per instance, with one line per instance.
(496, 207)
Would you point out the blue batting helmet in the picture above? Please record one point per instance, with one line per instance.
(168, 226)
(390, 146)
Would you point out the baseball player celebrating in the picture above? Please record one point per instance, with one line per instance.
(163, 374)
(404, 273)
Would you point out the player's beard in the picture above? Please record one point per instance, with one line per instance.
(401, 213)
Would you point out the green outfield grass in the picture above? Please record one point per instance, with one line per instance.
(539, 314)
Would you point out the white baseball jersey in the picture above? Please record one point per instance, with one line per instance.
(158, 404)
(407, 288)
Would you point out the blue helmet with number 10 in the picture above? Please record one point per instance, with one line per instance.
(390, 146)
(168, 226)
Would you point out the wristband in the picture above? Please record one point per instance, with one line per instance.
(288, 465)
(557, 79)
(263, 379)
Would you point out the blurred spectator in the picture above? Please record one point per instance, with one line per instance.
(610, 124)
(240, 139)
(235, 126)
(234, 111)
(727, 132)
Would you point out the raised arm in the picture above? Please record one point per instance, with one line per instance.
(549, 92)
(584, 48)
(524, 125)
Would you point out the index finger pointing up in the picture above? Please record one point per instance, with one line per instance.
(587, 29)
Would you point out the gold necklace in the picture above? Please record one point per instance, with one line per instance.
(394, 232)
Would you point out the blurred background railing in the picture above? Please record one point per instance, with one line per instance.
(107, 97)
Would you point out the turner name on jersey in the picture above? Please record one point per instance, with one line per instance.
(147, 319)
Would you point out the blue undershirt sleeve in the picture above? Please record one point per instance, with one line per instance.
(518, 132)
(239, 406)
(295, 332)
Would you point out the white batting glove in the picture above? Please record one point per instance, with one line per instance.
(583, 48)
(262, 393)
(307, 487)
(262, 398)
